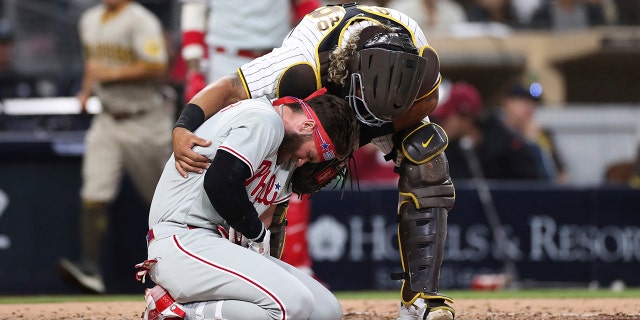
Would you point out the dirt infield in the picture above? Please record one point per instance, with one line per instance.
(475, 309)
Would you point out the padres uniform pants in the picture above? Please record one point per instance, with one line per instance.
(140, 145)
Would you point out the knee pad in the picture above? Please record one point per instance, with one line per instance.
(424, 170)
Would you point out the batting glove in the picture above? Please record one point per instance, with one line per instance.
(263, 248)
(233, 236)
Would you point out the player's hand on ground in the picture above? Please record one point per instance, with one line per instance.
(188, 160)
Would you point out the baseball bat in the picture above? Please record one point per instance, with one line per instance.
(489, 209)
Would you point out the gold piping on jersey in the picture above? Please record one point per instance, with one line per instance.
(439, 76)
(244, 84)
(373, 10)
(316, 72)
(375, 22)
(341, 13)
(432, 90)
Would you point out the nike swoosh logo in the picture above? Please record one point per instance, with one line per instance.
(425, 144)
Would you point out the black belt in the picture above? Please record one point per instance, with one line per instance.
(247, 53)
(126, 115)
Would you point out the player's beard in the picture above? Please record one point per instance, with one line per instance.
(290, 144)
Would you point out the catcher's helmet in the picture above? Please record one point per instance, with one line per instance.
(386, 75)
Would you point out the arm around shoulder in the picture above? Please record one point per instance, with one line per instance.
(219, 94)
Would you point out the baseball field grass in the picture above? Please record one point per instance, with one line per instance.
(545, 304)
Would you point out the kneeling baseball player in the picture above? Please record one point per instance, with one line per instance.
(208, 239)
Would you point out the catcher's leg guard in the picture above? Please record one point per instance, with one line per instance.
(278, 230)
(426, 196)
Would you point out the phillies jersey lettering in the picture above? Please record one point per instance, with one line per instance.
(267, 182)
(234, 130)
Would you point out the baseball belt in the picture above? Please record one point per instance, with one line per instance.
(247, 53)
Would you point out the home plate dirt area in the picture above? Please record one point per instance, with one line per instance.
(467, 309)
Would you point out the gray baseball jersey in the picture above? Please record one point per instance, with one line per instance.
(195, 263)
(252, 131)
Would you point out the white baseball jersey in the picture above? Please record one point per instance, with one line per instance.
(319, 32)
(252, 131)
(312, 36)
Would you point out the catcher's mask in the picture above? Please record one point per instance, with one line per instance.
(386, 75)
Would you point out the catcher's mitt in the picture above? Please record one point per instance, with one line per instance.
(312, 177)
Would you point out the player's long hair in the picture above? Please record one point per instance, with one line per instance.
(339, 121)
(339, 60)
(339, 57)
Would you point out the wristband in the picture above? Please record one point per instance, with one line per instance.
(251, 227)
(191, 117)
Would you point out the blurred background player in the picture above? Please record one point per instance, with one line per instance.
(125, 59)
(515, 113)
(219, 36)
(459, 113)
(433, 16)
(509, 143)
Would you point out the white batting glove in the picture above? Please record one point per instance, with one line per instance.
(237, 237)
(263, 247)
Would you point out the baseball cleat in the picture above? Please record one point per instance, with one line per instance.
(82, 276)
(431, 309)
(437, 309)
(160, 305)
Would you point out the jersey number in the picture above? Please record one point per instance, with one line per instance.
(326, 17)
